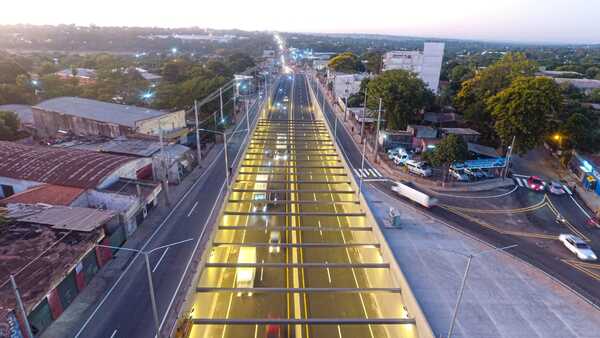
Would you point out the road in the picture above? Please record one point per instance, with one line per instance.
(327, 252)
(125, 310)
(508, 225)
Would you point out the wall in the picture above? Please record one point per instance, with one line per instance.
(47, 124)
(18, 185)
(129, 170)
(433, 54)
(168, 122)
(127, 206)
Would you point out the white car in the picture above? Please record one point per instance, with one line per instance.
(578, 246)
(459, 175)
(556, 188)
(418, 168)
(275, 241)
(401, 158)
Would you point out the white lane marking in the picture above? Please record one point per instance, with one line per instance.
(356, 172)
(113, 334)
(567, 189)
(160, 259)
(339, 331)
(520, 181)
(256, 331)
(192, 210)
(580, 207)
(328, 273)
(377, 172)
(262, 270)
(364, 173)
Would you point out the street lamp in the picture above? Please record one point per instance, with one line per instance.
(464, 280)
(225, 146)
(149, 273)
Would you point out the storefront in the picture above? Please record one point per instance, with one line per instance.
(587, 170)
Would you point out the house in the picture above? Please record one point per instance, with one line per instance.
(585, 85)
(85, 76)
(85, 117)
(426, 64)
(391, 139)
(345, 85)
(469, 135)
(52, 253)
(423, 137)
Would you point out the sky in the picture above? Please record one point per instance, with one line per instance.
(561, 21)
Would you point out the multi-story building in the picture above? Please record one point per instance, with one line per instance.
(426, 64)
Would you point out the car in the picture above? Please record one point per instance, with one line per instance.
(275, 241)
(535, 183)
(578, 246)
(401, 158)
(418, 168)
(394, 151)
(476, 173)
(556, 188)
(459, 175)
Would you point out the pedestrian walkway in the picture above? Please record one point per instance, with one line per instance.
(368, 173)
(504, 296)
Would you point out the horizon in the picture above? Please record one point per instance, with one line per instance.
(510, 21)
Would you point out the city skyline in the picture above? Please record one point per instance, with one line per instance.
(509, 21)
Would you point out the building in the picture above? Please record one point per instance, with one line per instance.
(469, 135)
(84, 75)
(426, 64)
(23, 167)
(46, 194)
(53, 254)
(585, 85)
(85, 117)
(560, 74)
(320, 64)
(345, 85)
(154, 79)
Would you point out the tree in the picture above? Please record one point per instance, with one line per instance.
(473, 94)
(577, 130)
(53, 86)
(373, 62)
(452, 148)
(403, 96)
(595, 95)
(346, 63)
(239, 62)
(524, 111)
(9, 126)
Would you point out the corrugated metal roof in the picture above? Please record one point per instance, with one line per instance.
(60, 166)
(61, 217)
(45, 193)
(22, 110)
(99, 111)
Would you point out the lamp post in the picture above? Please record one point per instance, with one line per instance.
(508, 157)
(149, 274)
(464, 279)
(377, 134)
(198, 146)
(225, 148)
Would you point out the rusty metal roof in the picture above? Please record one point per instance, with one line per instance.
(69, 167)
(45, 193)
(59, 217)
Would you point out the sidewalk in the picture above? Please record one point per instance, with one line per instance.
(387, 167)
(504, 296)
(75, 312)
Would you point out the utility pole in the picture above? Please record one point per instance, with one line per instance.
(221, 101)
(362, 167)
(152, 297)
(364, 114)
(247, 117)
(226, 161)
(345, 107)
(377, 134)
(21, 307)
(164, 165)
(198, 145)
(508, 157)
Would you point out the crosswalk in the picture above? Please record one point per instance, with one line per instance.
(368, 173)
(520, 180)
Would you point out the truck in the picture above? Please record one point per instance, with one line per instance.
(414, 195)
(244, 276)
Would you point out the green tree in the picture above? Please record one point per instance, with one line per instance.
(403, 96)
(595, 95)
(53, 86)
(239, 62)
(577, 130)
(346, 63)
(373, 62)
(452, 148)
(9, 126)
(473, 94)
(524, 111)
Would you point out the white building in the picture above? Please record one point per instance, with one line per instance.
(426, 64)
(345, 85)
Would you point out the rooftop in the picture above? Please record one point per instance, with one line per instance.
(482, 150)
(22, 110)
(136, 147)
(39, 258)
(423, 131)
(460, 131)
(99, 111)
(60, 217)
(580, 83)
(69, 167)
(79, 72)
(45, 193)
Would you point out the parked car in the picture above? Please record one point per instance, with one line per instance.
(535, 183)
(459, 175)
(394, 151)
(578, 246)
(418, 168)
(476, 173)
(556, 188)
(401, 158)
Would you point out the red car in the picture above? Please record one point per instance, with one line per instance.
(535, 183)
(274, 331)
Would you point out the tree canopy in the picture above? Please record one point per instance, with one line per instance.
(452, 148)
(346, 63)
(525, 110)
(473, 94)
(9, 126)
(403, 96)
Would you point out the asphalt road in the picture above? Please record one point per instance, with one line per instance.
(125, 310)
(291, 157)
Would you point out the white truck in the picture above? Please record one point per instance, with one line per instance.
(244, 276)
(414, 195)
